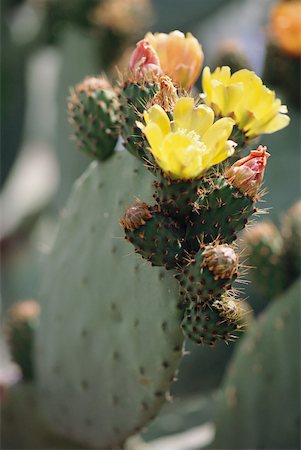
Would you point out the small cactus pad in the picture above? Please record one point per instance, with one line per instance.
(20, 326)
(260, 396)
(155, 236)
(93, 108)
(219, 321)
(221, 211)
(110, 338)
(208, 274)
(133, 99)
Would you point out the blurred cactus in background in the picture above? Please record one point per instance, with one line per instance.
(275, 255)
(284, 49)
(153, 247)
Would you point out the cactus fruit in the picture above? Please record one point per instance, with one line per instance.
(105, 317)
(20, 325)
(260, 396)
(93, 107)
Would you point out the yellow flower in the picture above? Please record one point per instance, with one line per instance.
(181, 57)
(191, 143)
(243, 96)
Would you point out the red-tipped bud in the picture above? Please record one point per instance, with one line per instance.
(144, 60)
(247, 173)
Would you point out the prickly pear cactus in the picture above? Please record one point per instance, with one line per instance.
(109, 341)
(260, 396)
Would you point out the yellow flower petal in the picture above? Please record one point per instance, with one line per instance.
(206, 83)
(182, 112)
(218, 132)
(154, 136)
(157, 115)
(224, 152)
(202, 118)
(277, 123)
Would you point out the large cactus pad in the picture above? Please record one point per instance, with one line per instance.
(109, 341)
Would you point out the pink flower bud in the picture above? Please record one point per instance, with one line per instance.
(247, 173)
(144, 60)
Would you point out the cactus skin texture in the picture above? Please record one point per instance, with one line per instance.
(110, 340)
(260, 398)
(20, 325)
(28, 431)
(209, 274)
(220, 320)
(93, 107)
(155, 236)
(133, 98)
(275, 255)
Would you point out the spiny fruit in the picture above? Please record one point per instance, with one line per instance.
(93, 107)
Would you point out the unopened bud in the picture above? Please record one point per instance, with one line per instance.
(144, 60)
(247, 173)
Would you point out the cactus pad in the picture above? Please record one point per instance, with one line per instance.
(221, 212)
(93, 107)
(209, 273)
(106, 358)
(261, 394)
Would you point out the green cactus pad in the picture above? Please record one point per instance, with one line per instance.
(93, 110)
(219, 321)
(208, 274)
(133, 99)
(221, 212)
(260, 396)
(110, 339)
(154, 235)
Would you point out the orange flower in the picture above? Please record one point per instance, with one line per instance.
(181, 57)
(286, 26)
